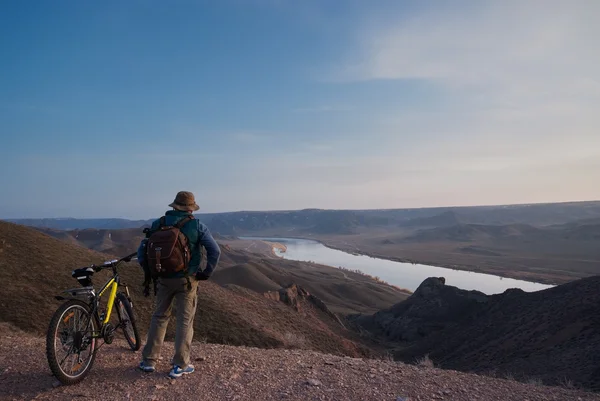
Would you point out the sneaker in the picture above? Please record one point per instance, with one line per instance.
(177, 371)
(146, 368)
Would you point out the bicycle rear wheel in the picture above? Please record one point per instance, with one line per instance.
(127, 321)
(70, 344)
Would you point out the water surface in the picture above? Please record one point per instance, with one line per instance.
(404, 275)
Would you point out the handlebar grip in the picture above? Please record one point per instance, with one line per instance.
(105, 265)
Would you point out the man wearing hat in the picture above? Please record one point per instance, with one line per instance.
(179, 286)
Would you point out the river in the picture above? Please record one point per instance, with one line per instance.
(404, 275)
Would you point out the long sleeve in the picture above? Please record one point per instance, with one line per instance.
(213, 252)
(141, 255)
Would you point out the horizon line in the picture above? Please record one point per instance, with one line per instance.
(320, 209)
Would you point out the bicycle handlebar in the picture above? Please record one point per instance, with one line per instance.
(114, 263)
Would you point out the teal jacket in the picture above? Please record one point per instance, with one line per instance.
(198, 236)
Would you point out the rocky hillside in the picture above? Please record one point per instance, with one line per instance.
(108, 241)
(241, 373)
(551, 335)
(344, 292)
(34, 267)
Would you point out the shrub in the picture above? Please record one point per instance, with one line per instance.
(425, 362)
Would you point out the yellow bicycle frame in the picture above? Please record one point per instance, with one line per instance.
(112, 284)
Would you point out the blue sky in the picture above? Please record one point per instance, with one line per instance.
(108, 110)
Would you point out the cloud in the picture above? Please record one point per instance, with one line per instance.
(488, 42)
(516, 84)
(509, 60)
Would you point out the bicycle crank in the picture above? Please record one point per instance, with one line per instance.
(108, 333)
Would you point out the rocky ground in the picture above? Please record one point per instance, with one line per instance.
(240, 373)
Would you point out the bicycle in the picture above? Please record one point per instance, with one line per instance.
(77, 325)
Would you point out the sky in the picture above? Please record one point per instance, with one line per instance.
(108, 109)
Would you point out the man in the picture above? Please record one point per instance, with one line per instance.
(181, 287)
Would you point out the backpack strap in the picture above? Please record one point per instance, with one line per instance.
(185, 240)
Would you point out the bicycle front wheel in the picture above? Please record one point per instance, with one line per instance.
(127, 321)
(70, 342)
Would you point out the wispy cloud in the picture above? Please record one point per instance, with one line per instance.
(534, 57)
(487, 42)
(518, 78)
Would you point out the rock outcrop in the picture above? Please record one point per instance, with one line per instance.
(295, 295)
(431, 307)
(552, 336)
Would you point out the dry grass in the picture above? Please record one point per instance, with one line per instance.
(535, 382)
(294, 340)
(567, 383)
(387, 356)
(425, 362)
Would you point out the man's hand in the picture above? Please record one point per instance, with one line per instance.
(202, 276)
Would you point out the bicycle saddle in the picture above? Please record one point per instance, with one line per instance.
(83, 275)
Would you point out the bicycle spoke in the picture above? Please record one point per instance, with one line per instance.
(74, 343)
(66, 356)
(72, 363)
(81, 327)
(78, 321)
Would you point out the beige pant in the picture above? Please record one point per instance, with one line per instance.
(185, 303)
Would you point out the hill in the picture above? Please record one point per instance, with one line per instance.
(344, 292)
(230, 373)
(108, 241)
(551, 335)
(259, 271)
(448, 218)
(75, 224)
(350, 221)
(475, 232)
(548, 243)
(34, 267)
(549, 254)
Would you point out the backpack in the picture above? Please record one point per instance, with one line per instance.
(168, 250)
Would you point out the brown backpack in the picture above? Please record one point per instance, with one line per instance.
(168, 250)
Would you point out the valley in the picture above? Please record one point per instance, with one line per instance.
(258, 299)
(546, 243)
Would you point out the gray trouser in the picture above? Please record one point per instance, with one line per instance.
(185, 303)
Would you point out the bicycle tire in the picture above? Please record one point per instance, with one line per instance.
(63, 314)
(133, 337)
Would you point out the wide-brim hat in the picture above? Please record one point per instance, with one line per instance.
(185, 201)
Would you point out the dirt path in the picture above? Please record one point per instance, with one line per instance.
(239, 373)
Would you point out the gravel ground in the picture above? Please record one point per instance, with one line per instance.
(240, 373)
